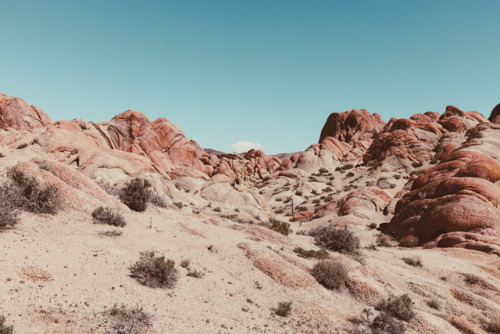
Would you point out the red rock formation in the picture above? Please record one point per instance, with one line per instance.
(459, 194)
(495, 115)
(415, 140)
(16, 114)
(352, 125)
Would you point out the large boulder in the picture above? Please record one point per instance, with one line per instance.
(458, 194)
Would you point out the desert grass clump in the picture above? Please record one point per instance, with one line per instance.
(400, 307)
(153, 271)
(136, 194)
(103, 215)
(311, 253)
(280, 227)
(336, 239)
(128, 320)
(33, 197)
(283, 309)
(332, 274)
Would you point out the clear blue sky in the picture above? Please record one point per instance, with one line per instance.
(262, 71)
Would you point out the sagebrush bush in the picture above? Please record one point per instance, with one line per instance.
(336, 239)
(400, 307)
(332, 274)
(280, 227)
(34, 197)
(154, 272)
(103, 215)
(415, 261)
(311, 253)
(128, 320)
(9, 197)
(283, 309)
(384, 323)
(4, 329)
(136, 194)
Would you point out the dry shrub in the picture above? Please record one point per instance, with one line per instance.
(409, 241)
(283, 309)
(385, 324)
(4, 329)
(280, 227)
(384, 240)
(9, 197)
(336, 239)
(159, 201)
(493, 325)
(381, 324)
(103, 215)
(34, 197)
(136, 194)
(400, 307)
(111, 233)
(128, 320)
(415, 261)
(311, 253)
(332, 274)
(154, 272)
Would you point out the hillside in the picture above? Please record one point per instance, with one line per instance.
(421, 194)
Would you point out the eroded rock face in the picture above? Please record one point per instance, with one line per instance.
(459, 194)
(352, 125)
(16, 114)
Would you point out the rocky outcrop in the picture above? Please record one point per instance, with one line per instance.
(495, 115)
(352, 125)
(459, 194)
(406, 143)
(16, 114)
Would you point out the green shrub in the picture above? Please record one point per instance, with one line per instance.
(372, 226)
(280, 227)
(136, 194)
(284, 309)
(400, 307)
(311, 253)
(331, 274)
(154, 272)
(336, 239)
(128, 320)
(103, 215)
(33, 197)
